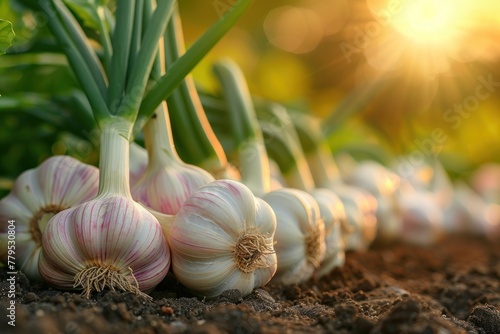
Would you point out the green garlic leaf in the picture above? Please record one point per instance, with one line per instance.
(6, 35)
(87, 11)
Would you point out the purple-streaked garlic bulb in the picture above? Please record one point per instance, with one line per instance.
(223, 238)
(167, 181)
(110, 241)
(59, 183)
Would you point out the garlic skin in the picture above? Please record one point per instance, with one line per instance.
(333, 214)
(360, 208)
(383, 185)
(108, 242)
(222, 238)
(300, 234)
(110, 233)
(167, 181)
(60, 182)
(138, 162)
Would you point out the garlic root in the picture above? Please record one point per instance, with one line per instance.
(97, 278)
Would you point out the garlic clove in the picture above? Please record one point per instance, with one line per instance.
(333, 214)
(60, 182)
(113, 237)
(300, 234)
(222, 238)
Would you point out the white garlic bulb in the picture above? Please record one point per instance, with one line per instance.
(383, 185)
(360, 208)
(422, 218)
(222, 238)
(108, 242)
(59, 183)
(334, 216)
(167, 181)
(300, 234)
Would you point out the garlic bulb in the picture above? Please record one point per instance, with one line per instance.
(167, 181)
(138, 162)
(334, 216)
(383, 185)
(222, 238)
(360, 208)
(300, 234)
(60, 182)
(422, 218)
(110, 241)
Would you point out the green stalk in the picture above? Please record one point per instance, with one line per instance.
(252, 156)
(280, 132)
(78, 64)
(81, 44)
(105, 38)
(187, 113)
(142, 68)
(317, 151)
(139, 27)
(176, 73)
(121, 41)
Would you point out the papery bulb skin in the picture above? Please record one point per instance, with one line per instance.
(166, 189)
(333, 215)
(59, 183)
(383, 184)
(138, 162)
(167, 181)
(110, 241)
(112, 235)
(422, 218)
(222, 238)
(300, 234)
(360, 208)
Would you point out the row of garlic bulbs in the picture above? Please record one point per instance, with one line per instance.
(422, 205)
(221, 237)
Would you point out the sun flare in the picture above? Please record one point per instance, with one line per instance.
(428, 21)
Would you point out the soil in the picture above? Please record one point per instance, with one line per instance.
(453, 287)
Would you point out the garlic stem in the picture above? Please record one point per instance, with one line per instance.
(252, 156)
(187, 113)
(158, 139)
(114, 163)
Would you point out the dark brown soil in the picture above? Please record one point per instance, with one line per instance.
(453, 287)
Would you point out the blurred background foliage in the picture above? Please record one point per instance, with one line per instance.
(382, 74)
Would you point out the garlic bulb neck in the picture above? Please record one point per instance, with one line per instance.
(114, 177)
(254, 166)
(159, 141)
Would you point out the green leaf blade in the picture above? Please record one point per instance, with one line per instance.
(6, 36)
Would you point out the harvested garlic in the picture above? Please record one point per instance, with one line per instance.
(108, 242)
(222, 238)
(167, 181)
(59, 183)
(300, 234)
(334, 216)
(360, 208)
